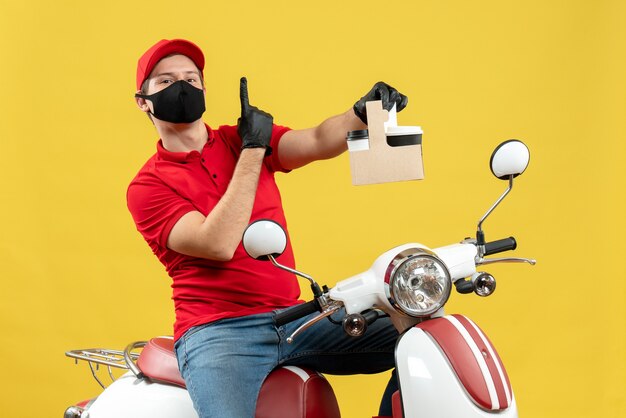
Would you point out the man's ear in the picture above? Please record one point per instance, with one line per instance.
(141, 103)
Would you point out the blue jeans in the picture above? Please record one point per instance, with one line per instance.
(224, 363)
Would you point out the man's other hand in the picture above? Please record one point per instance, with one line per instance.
(380, 91)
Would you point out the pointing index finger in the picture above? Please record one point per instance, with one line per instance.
(243, 94)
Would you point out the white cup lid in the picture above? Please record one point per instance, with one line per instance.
(403, 130)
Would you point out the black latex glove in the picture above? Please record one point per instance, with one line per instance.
(381, 91)
(254, 126)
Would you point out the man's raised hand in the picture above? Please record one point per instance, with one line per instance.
(254, 126)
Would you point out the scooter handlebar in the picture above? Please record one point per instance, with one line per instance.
(295, 312)
(501, 245)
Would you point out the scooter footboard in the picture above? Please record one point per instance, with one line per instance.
(448, 368)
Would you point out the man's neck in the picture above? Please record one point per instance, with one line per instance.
(183, 137)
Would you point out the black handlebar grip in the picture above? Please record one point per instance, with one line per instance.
(295, 312)
(501, 245)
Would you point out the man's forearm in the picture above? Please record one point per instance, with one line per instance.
(217, 235)
(230, 217)
(327, 140)
(330, 135)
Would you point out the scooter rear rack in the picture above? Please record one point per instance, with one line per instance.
(101, 356)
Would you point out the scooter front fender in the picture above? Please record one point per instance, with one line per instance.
(129, 397)
(447, 368)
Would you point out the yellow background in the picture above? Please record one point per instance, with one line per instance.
(76, 274)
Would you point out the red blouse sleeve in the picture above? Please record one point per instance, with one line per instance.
(155, 208)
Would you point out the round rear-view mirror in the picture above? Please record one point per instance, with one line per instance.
(264, 237)
(510, 158)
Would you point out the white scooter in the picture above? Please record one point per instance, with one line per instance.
(445, 364)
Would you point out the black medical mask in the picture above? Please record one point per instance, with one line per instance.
(179, 103)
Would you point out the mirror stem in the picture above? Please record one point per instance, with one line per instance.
(480, 235)
(317, 292)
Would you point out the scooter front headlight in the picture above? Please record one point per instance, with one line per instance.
(417, 282)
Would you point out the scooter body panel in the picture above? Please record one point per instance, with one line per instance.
(435, 382)
(129, 397)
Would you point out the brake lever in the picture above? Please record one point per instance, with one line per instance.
(330, 309)
(484, 261)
